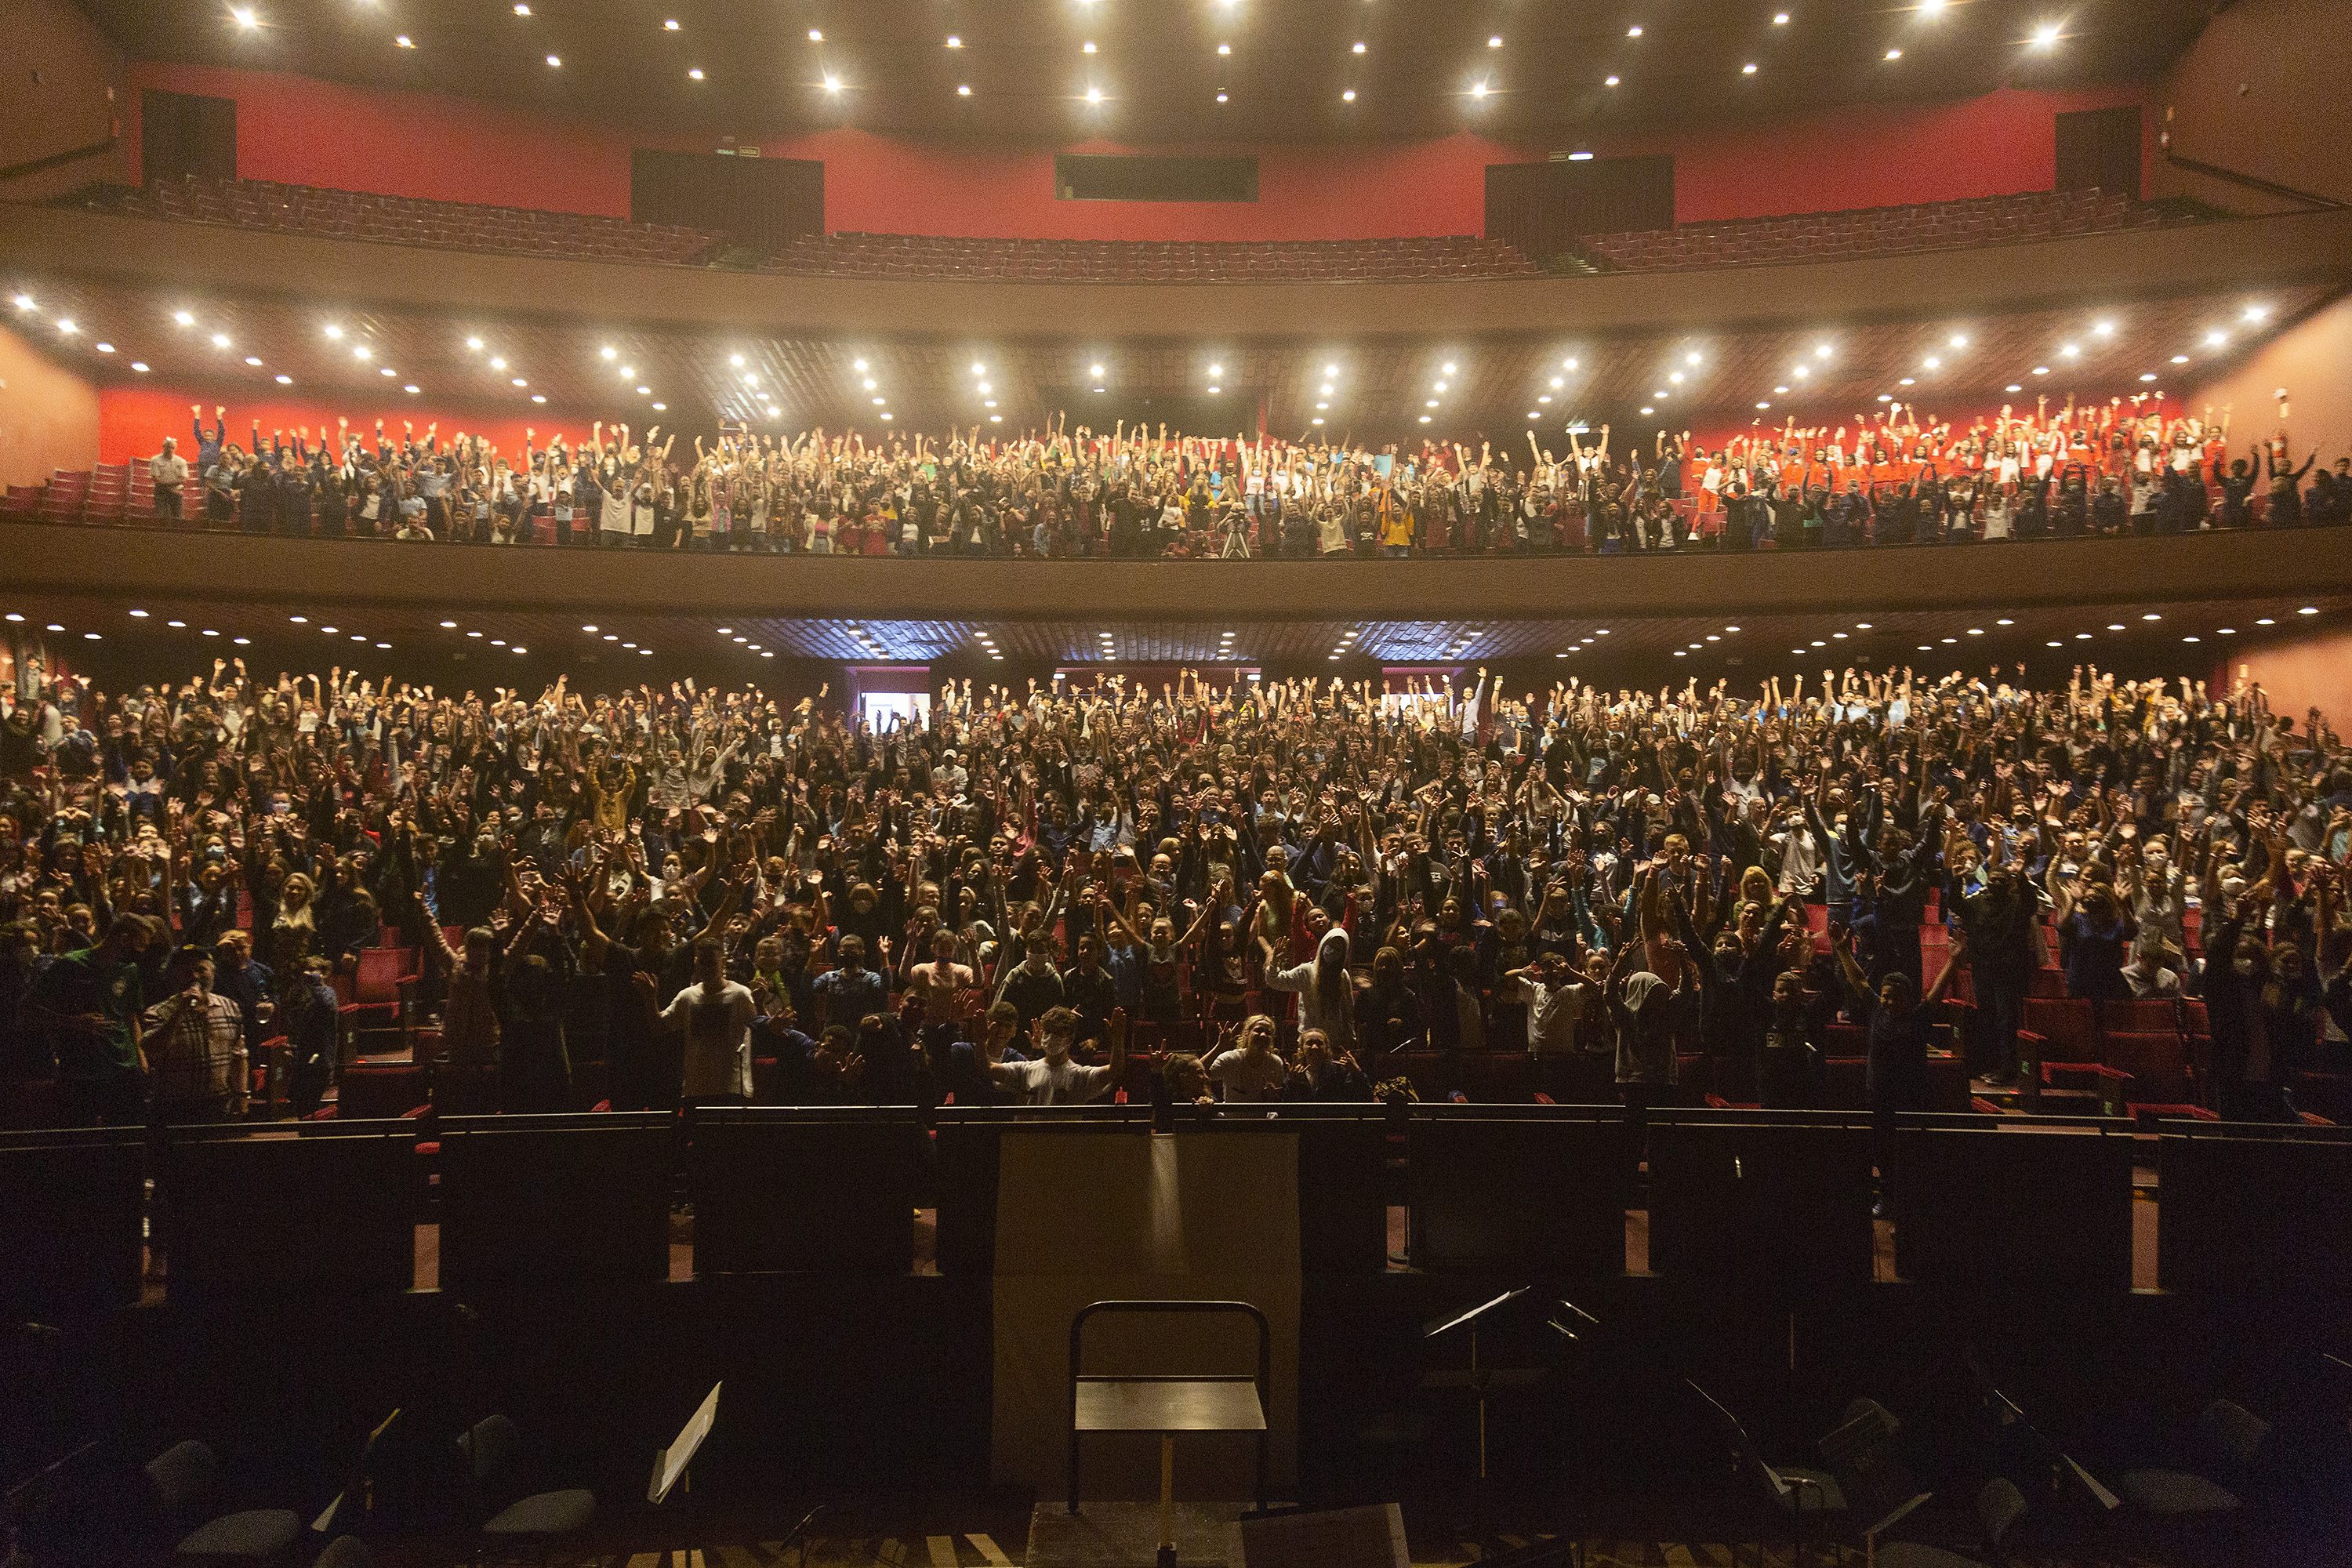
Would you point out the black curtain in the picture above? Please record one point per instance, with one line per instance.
(758, 201)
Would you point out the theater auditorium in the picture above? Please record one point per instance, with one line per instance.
(1424, 782)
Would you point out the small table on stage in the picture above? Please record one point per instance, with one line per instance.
(1167, 1405)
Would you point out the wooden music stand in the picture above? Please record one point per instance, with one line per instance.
(1168, 1405)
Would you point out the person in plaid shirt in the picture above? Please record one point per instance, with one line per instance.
(196, 1046)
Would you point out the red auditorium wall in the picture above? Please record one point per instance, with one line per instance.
(1999, 144)
(2307, 363)
(64, 95)
(2308, 672)
(132, 421)
(49, 416)
(2261, 92)
(307, 132)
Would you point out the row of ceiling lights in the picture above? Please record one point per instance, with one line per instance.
(2045, 37)
(2103, 329)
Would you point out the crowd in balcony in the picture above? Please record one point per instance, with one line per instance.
(2122, 468)
(1258, 888)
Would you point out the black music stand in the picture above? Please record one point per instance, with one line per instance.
(1787, 1488)
(1479, 1380)
(2010, 1421)
(673, 1468)
(1167, 1405)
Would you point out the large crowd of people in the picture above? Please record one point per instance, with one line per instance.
(2134, 467)
(1273, 888)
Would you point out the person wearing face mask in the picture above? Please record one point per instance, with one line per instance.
(2095, 937)
(1051, 1077)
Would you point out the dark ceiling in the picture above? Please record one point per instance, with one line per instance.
(1157, 62)
(1498, 386)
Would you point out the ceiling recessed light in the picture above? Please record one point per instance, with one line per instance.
(1748, 70)
(243, 16)
(1894, 54)
(284, 380)
(220, 339)
(1495, 42)
(1610, 82)
(832, 82)
(694, 73)
(1088, 48)
(1635, 31)
(669, 24)
(555, 61)
(253, 360)
(1224, 49)
(103, 348)
(1358, 47)
(963, 89)
(405, 41)
(1221, 98)
(1347, 96)
(2045, 37)
(1478, 90)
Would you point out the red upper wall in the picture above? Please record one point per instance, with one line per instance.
(307, 132)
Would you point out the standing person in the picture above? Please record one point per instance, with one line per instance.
(195, 1041)
(1053, 1078)
(1327, 992)
(715, 1014)
(91, 1000)
(1998, 923)
(1555, 1003)
(170, 472)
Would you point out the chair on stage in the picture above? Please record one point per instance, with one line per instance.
(492, 1454)
(184, 1478)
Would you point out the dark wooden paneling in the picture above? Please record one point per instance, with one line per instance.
(1126, 177)
(1544, 208)
(759, 200)
(185, 133)
(2099, 149)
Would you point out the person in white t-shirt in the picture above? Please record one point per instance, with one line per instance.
(1053, 1078)
(715, 1014)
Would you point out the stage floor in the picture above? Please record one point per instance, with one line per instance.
(991, 1533)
